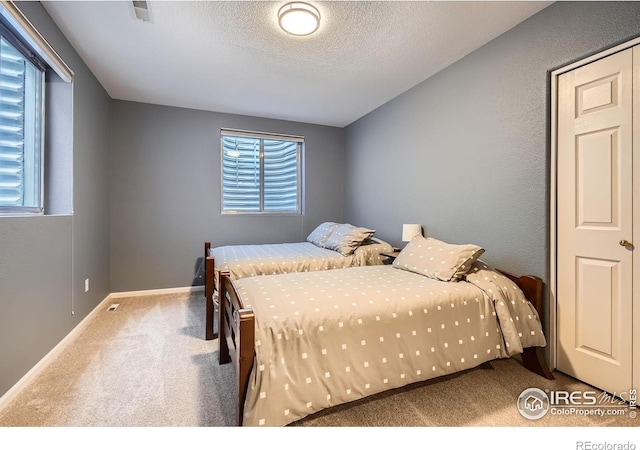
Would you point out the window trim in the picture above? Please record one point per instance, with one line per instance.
(262, 136)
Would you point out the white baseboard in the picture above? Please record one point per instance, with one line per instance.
(44, 362)
(55, 351)
(180, 290)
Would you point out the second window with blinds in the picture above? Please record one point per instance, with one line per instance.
(261, 172)
(21, 126)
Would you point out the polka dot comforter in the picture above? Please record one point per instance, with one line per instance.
(330, 337)
(270, 259)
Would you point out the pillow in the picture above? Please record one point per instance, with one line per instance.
(322, 232)
(436, 259)
(346, 238)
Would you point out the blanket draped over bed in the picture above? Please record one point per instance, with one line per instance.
(331, 337)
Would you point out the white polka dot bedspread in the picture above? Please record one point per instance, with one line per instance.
(270, 259)
(330, 337)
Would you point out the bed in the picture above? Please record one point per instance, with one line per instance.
(303, 342)
(330, 246)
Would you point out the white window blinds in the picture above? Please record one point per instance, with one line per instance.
(20, 134)
(25, 56)
(261, 173)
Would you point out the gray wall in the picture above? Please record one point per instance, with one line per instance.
(44, 260)
(165, 192)
(467, 151)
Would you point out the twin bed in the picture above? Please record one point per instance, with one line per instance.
(330, 246)
(305, 341)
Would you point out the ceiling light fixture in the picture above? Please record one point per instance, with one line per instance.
(299, 18)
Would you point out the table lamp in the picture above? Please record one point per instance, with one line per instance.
(411, 230)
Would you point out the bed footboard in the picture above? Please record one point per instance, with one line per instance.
(237, 337)
(209, 288)
(532, 357)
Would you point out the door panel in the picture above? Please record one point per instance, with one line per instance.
(597, 288)
(597, 194)
(598, 95)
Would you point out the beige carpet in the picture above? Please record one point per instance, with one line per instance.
(147, 365)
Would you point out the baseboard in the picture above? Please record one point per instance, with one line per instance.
(180, 290)
(44, 362)
(55, 351)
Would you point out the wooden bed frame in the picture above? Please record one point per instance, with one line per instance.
(237, 333)
(209, 288)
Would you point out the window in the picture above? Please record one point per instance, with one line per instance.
(21, 119)
(261, 172)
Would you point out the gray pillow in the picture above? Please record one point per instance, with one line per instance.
(322, 232)
(346, 238)
(436, 259)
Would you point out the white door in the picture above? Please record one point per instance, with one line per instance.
(594, 219)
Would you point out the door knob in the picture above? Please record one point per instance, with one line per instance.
(625, 243)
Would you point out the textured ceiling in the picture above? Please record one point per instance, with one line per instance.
(231, 56)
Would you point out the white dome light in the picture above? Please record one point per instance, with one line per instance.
(298, 18)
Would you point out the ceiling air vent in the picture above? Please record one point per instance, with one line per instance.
(141, 10)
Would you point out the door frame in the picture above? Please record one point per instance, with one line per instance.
(553, 254)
